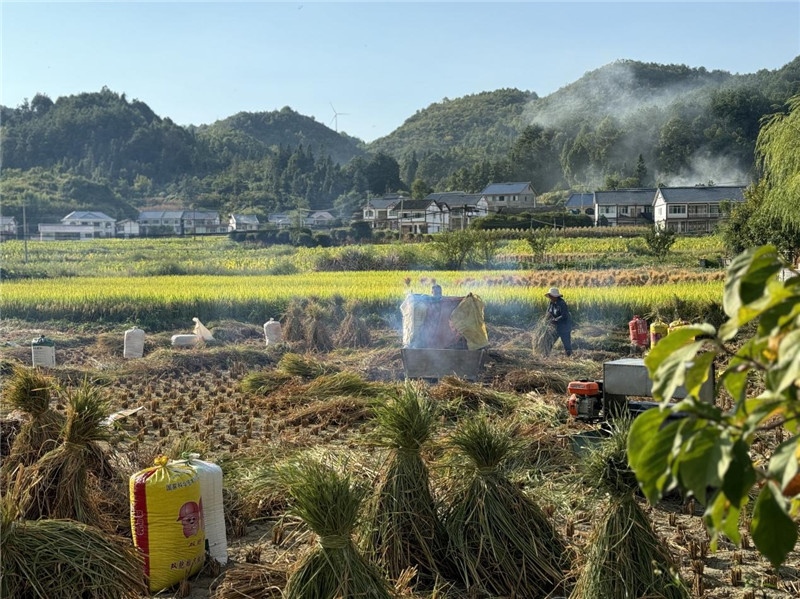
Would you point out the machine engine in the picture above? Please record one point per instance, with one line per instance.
(585, 400)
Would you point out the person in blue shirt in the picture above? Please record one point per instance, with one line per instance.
(558, 315)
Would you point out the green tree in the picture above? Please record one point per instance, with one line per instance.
(420, 189)
(707, 451)
(778, 152)
(540, 241)
(487, 243)
(659, 241)
(710, 448)
(748, 225)
(383, 174)
(454, 247)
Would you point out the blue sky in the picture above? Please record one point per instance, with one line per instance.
(375, 63)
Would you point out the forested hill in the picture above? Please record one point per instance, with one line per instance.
(625, 124)
(250, 134)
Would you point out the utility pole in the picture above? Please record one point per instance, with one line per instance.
(25, 229)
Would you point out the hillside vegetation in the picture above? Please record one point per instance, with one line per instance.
(626, 124)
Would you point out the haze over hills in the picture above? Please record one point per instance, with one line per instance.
(625, 124)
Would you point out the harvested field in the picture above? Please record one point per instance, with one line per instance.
(248, 407)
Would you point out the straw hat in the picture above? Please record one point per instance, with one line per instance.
(554, 292)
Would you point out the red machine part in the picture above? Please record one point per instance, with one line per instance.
(585, 400)
(638, 331)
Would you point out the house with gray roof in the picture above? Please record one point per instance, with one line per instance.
(619, 207)
(580, 203)
(463, 207)
(693, 209)
(243, 222)
(80, 224)
(376, 210)
(179, 222)
(507, 197)
(419, 216)
(8, 228)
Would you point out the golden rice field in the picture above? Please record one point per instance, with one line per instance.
(168, 301)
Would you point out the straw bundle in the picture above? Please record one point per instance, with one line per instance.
(264, 382)
(65, 482)
(625, 558)
(339, 410)
(341, 383)
(505, 544)
(456, 394)
(544, 337)
(316, 333)
(329, 502)
(353, 332)
(251, 581)
(407, 531)
(63, 558)
(306, 367)
(29, 390)
(293, 329)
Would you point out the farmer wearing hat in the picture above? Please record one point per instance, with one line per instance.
(558, 313)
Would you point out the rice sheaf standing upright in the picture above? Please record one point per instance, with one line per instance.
(407, 530)
(625, 556)
(505, 543)
(329, 503)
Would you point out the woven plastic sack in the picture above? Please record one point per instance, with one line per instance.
(467, 319)
(167, 522)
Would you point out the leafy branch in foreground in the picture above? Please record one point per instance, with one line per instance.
(707, 452)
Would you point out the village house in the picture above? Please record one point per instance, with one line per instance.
(619, 207)
(243, 222)
(126, 228)
(77, 225)
(376, 210)
(179, 222)
(463, 207)
(693, 209)
(419, 216)
(580, 203)
(507, 197)
(320, 219)
(8, 228)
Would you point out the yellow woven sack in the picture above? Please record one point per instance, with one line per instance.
(467, 319)
(167, 522)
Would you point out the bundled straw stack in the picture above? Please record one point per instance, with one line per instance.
(625, 557)
(66, 482)
(505, 543)
(407, 532)
(544, 337)
(29, 391)
(329, 503)
(64, 558)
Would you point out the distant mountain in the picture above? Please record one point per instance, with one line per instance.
(488, 122)
(251, 133)
(625, 124)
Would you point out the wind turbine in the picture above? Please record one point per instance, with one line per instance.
(335, 119)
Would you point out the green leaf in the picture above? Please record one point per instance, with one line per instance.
(747, 277)
(722, 516)
(740, 476)
(649, 445)
(789, 361)
(774, 532)
(783, 464)
(667, 361)
(734, 379)
(700, 454)
(698, 372)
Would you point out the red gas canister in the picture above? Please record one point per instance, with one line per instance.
(637, 329)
